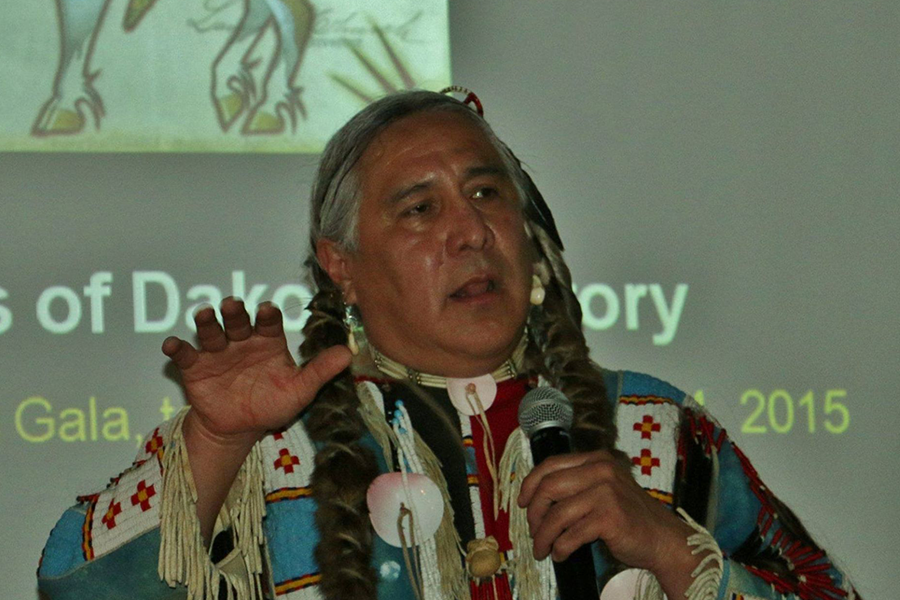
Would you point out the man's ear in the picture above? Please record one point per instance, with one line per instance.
(336, 263)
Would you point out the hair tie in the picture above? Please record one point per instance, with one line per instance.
(470, 98)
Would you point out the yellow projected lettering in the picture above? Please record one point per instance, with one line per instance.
(778, 424)
(748, 426)
(780, 409)
(832, 406)
(35, 434)
(72, 424)
(166, 409)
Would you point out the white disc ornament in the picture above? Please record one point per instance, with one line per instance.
(622, 586)
(387, 493)
(462, 393)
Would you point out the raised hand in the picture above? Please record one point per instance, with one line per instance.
(243, 380)
(241, 383)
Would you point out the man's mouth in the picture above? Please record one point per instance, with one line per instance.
(474, 288)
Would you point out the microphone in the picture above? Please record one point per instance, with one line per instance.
(545, 416)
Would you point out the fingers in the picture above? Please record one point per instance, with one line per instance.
(209, 332)
(563, 485)
(585, 531)
(561, 494)
(269, 322)
(551, 465)
(320, 370)
(567, 526)
(182, 353)
(214, 338)
(236, 319)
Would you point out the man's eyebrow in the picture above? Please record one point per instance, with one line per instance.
(478, 171)
(471, 173)
(408, 191)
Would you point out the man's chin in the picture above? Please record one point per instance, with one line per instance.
(485, 345)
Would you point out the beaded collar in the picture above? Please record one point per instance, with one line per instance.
(510, 369)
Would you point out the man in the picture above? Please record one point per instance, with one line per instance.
(442, 299)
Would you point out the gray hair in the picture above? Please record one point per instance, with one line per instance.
(336, 194)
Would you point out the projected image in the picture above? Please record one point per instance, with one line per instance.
(235, 92)
(216, 76)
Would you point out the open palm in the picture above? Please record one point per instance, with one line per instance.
(243, 380)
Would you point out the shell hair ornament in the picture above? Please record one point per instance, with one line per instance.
(352, 324)
(537, 290)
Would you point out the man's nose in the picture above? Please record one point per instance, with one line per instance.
(469, 228)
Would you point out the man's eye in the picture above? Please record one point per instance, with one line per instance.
(420, 208)
(485, 193)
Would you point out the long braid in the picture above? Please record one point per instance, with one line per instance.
(565, 360)
(558, 351)
(343, 467)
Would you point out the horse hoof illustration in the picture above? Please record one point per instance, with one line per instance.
(263, 122)
(229, 108)
(59, 116)
(55, 120)
(273, 116)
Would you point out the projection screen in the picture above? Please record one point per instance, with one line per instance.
(724, 177)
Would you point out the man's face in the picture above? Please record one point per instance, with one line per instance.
(442, 274)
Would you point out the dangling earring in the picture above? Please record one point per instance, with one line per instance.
(537, 291)
(351, 323)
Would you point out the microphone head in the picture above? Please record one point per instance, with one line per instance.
(544, 407)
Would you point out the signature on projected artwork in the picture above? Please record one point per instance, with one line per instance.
(261, 93)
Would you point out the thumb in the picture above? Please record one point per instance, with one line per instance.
(320, 370)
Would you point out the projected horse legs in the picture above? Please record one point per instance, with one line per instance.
(233, 87)
(280, 101)
(250, 79)
(73, 90)
(273, 97)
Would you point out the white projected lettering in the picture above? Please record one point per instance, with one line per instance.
(288, 297)
(669, 316)
(6, 317)
(601, 307)
(73, 309)
(208, 295)
(97, 290)
(586, 299)
(139, 282)
(159, 305)
(300, 295)
(254, 296)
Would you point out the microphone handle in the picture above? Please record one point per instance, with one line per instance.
(575, 576)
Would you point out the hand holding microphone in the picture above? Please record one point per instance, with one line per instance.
(574, 499)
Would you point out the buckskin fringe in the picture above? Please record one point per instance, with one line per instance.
(183, 557)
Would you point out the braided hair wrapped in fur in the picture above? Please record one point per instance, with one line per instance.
(557, 349)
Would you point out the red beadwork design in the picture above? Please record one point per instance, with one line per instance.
(646, 461)
(647, 427)
(143, 495)
(87, 548)
(704, 430)
(808, 564)
(109, 518)
(155, 444)
(286, 461)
